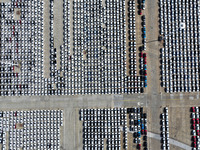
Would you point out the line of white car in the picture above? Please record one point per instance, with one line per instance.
(165, 129)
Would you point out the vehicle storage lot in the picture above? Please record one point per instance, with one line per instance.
(179, 104)
(179, 114)
(60, 68)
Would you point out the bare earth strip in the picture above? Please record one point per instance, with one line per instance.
(58, 28)
(46, 39)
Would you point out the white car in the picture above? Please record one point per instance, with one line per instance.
(166, 109)
(193, 115)
(197, 109)
(193, 132)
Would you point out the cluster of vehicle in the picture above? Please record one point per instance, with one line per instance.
(180, 55)
(141, 6)
(34, 129)
(138, 124)
(100, 35)
(22, 47)
(65, 48)
(99, 32)
(53, 51)
(56, 78)
(165, 129)
(100, 124)
(139, 84)
(195, 128)
(144, 31)
(143, 56)
(143, 66)
(132, 39)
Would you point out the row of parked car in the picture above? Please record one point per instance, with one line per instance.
(102, 49)
(99, 124)
(31, 129)
(143, 55)
(195, 128)
(65, 48)
(165, 129)
(132, 38)
(132, 47)
(22, 48)
(141, 6)
(180, 57)
(98, 58)
(138, 124)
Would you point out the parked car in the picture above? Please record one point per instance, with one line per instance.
(140, 12)
(144, 55)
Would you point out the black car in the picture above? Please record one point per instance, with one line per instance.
(144, 115)
(145, 144)
(141, 109)
(143, 18)
(135, 134)
(135, 122)
(145, 138)
(143, 23)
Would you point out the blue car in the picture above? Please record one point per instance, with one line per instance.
(139, 134)
(145, 78)
(145, 67)
(138, 121)
(142, 126)
(145, 84)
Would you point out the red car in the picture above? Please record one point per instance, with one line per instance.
(193, 121)
(197, 121)
(193, 109)
(142, 132)
(145, 61)
(198, 132)
(145, 132)
(144, 55)
(194, 127)
(139, 146)
(195, 144)
(145, 73)
(141, 55)
(194, 138)
(140, 11)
